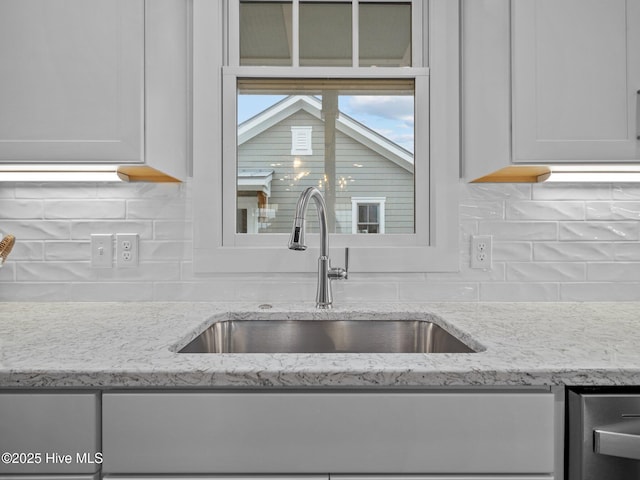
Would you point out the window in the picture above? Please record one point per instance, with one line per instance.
(353, 154)
(309, 86)
(367, 214)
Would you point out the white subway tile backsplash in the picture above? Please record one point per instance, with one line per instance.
(111, 292)
(7, 273)
(626, 252)
(54, 272)
(36, 230)
(512, 251)
(438, 292)
(519, 292)
(545, 210)
(51, 191)
(613, 210)
(159, 208)
(481, 210)
(564, 191)
(550, 243)
(165, 250)
(172, 230)
(614, 272)
(7, 190)
(26, 250)
(573, 251)
(194, 291)
(532, 231)
(157, 271)
(83, 230)
(34, 292)
(67, 251)
(94, 209)
(626, 191)
(600, 292)
(599, 231)
(140, 190)
(23, 209)
(467, 274)
(494, 191)
(545, 271)
(353, 291)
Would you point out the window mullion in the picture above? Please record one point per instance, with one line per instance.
(355, 29)
(233, 33)
(295, 33)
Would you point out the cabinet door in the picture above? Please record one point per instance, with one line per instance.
(310, 432)
(50, 477)
(37, 430)
(321, 477)
(72, 80)
(576, 74)
(439, 477)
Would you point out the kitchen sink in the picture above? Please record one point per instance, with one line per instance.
(325, 336)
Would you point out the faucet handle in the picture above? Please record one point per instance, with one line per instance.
(346, 263)
(341, 273)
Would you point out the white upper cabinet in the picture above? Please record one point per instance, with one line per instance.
(72, 80)
(576, 74)
(549, 82)
(101, 81)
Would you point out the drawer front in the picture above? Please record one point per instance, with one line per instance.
(50, 477)
(40, 429)
(327, 477)
(328, 433)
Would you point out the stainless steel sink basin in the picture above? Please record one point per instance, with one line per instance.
(325, 336)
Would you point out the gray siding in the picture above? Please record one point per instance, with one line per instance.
(378, 176)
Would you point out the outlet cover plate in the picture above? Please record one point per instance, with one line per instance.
(127, 250)
(481, 251)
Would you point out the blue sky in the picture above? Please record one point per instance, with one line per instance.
(390, 115)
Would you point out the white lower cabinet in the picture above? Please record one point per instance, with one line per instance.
(95, 476)
(498, 435)
(53, 436)
(330, 477)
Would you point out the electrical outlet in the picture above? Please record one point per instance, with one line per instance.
(101, 250)
(481, 251)
(127, 250)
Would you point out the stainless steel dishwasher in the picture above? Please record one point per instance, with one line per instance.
(603, 434)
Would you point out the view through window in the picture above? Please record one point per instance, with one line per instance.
(351, 143)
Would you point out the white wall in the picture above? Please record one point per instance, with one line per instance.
(551, 243)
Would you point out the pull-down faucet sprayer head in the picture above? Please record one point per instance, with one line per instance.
(296, 241)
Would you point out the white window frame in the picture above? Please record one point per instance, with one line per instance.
(217, 248)
(357, 201)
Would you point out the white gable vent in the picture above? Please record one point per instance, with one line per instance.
(301, 141)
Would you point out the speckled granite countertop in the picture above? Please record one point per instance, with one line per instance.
(116, 345)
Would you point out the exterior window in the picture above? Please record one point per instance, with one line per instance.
(367, 214)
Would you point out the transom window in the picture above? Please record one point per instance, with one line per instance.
(326, 33)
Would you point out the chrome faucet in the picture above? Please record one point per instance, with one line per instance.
(324, 298)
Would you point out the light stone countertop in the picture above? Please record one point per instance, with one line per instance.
(133, 345)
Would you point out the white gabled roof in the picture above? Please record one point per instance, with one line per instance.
(345, 124)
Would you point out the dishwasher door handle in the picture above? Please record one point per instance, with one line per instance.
(618, 439)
